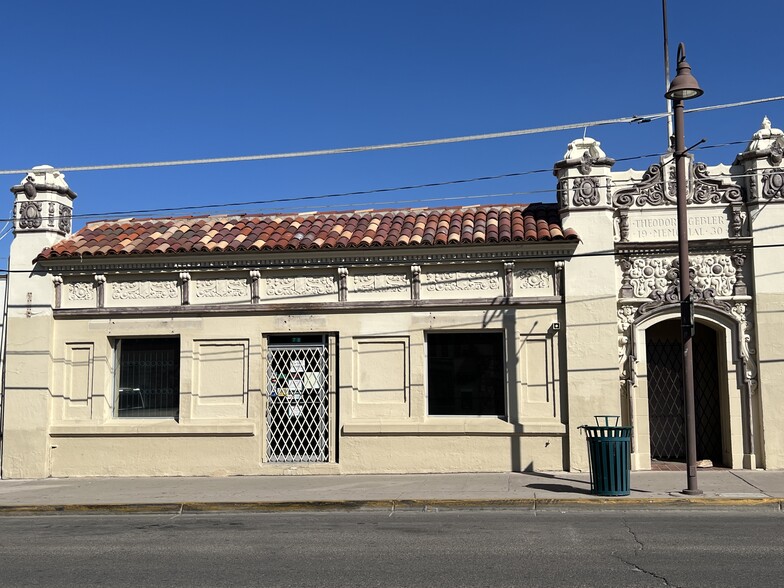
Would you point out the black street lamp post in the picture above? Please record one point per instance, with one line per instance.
(685, 87)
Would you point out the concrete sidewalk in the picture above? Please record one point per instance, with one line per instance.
(722, 488)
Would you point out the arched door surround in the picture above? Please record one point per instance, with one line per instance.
(735, 379)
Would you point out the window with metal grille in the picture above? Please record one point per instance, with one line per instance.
(148, 377)
(465, 374)
(297, 407)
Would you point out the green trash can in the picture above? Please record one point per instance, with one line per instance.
(609, 456)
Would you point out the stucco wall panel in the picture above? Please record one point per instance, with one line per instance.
(155, 456)
(220, 379)
(438, 454)
(78, 380)
(381, 378)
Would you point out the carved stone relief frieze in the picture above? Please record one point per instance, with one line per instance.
(671, 295)
(708, 190)
(651, 189)
(737, 220)
(454, 281)
(657, 188)
(65, 219)
(81, 291)
(307, 286)
(586, 192)
(773, 184)
(533, 278)
(717, 272)
(29, 215)
(381, 283)
(625, 320)
(748, 352)
(220, 288)
(144, 290)
(563, 193)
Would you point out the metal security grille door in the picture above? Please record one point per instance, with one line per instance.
(665, 398)
(297, 400)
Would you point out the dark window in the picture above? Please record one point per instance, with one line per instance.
(149, 377)
(465, 374)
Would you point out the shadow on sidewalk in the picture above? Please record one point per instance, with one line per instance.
(581, 486)
(581, 489)
(558, 488)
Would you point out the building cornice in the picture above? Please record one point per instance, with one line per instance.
(380, 257)
(308, 308)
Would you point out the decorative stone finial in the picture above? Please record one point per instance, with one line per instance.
(579, 147)
(766, 136)
(582, 155)
(766, 143)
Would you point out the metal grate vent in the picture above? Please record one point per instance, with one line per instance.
(297, 403)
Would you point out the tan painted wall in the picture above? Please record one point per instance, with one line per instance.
(381, 397)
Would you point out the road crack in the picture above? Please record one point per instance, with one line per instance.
(639, 546)
(637, 568)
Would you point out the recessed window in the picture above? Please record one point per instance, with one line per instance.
(465, 374)
(148, 377)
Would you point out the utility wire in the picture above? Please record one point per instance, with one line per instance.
(402, 145)
(233, 205)
(229, 207)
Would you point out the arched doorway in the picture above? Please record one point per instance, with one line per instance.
(665, 399)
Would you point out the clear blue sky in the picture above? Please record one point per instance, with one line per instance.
(96, 82)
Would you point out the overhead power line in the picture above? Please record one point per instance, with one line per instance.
(403, 145)
(230, 208)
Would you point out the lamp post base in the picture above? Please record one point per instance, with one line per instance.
(691, 492)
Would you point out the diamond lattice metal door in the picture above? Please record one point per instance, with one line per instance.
(665, 396)
(297, 412)
(665, 399)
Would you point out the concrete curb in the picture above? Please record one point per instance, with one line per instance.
(769, 503)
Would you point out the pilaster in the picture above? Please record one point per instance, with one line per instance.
(764, 176)
(589, 292)
(42, 216)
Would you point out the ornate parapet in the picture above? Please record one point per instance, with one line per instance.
(645, 205)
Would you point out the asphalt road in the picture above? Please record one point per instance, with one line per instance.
(347, 549)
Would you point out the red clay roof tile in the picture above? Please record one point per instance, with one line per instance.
(393, 228)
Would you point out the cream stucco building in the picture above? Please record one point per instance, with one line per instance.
(467, 339)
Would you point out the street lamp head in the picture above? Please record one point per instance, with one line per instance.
(684, 86)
